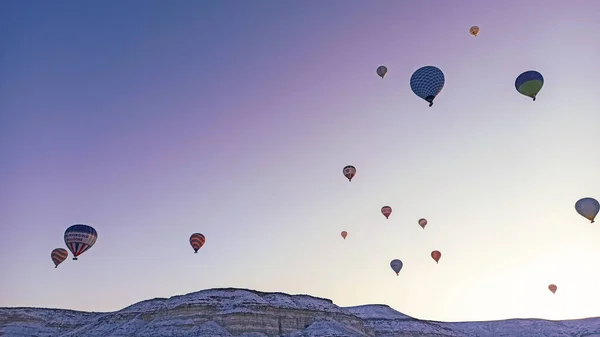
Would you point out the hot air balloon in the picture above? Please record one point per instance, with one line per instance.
(79, 238)
(58, 255)
(197, 240)
(474, 30)
(386, 211)
(349, 172)
(344, 234)
(427, 82)
(396, 266)
(553, 288)
(436, 255)
(381, 71)
(587, 208)
(423, 222)
(529, 83)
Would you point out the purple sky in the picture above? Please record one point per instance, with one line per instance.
(152, 120)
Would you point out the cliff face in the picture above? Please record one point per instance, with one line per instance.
(247, 313)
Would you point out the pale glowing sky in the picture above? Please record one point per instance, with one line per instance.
(151, 120)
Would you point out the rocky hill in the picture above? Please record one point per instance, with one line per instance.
(247, 313)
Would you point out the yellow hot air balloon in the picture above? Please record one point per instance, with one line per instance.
(59, 255)
(474, 30)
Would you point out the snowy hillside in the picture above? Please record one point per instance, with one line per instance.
(247, 313)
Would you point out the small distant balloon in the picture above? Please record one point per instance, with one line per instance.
(474, 30)
(436, 255)
(344, 234)
(59, 255)
(423, 222)
(427, 82)
(553, 288)
(529, 83)
(396, 266)
(588, 208)
(386, 211)
(381, 71)
(349, 172)
(80, 238)
(197, 240)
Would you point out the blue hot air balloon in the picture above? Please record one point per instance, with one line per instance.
(396, 266)
(529, 83)
(588, 208)
(79, 238)
(427, 82)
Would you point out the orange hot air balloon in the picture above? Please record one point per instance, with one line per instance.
(386, 211)
(553, 288)
(436, 255)
(197, 240)
(344, 234)
(423, 222)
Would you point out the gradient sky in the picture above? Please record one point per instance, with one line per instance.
(151, 120)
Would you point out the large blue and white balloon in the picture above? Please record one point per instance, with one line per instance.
(396, 266)
(427, 82)
(79, 238)
(588, 208)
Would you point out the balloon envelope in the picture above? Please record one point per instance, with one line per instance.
(474, 30)
(381, 71)
(529, 83)
(59, 255)
(386, 211)
(349, 172)
(427, 82)
(80, 238)
(396, 266)
(588, 208)
(197, 240)
(344, 234)
(423, 222)
(436, 255)
(553, 288)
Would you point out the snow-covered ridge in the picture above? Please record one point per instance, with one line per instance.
(376, 311)
(232, 312)
(231, 300)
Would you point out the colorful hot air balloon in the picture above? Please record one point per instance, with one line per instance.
(588, 208)
(79, 238)
(396, 266)
(386, 211)
(474, 30)
(427, 82)
(529, 83)
(553, 288)
(344, 234)
(197, 240)
(436, 255)
(423, 222)
(59, 255)
(349, 172)
(381, 71)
